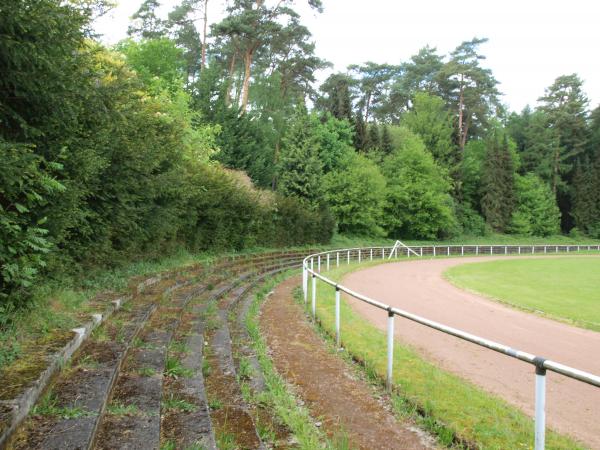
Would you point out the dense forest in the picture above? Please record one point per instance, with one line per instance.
(216, 136)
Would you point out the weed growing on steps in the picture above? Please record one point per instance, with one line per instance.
(175, 369)
(226, 441)
(120, 409)
(215, 404)
(178, 347)
(146, 372)
(179, 404)
(47, 406)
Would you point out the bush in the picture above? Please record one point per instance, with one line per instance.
(356, 196)
(537, 213)
(418, 203)
(24, 185)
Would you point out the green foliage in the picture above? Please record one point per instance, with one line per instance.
(356, 196)
(25, 186)
(300, 168)
(387, 146)
(145, 23)
(536, 212)
(431, 121)
(338, 96)
(374, 141)
(586, 198)
(159, 63)
(498, 183)
(418, 200)
(334, 140)
(101, 163)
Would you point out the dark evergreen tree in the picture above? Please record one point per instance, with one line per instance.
(593, 145)
(337, 96)
(386, 140)
(300, 170)
(586, 197)
(374, 138)
(498, 183)
(361, 139)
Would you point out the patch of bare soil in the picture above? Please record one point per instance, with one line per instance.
(324, 381)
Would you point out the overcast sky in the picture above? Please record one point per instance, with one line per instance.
(531, 42)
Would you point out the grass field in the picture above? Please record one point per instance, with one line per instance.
(455, 410)
(565, 288)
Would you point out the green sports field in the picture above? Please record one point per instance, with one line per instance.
(565, 288)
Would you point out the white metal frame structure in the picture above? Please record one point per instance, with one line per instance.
(540, 364)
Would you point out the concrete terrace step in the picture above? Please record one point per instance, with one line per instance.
(138, 382)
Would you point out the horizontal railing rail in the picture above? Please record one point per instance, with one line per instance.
(312, 266)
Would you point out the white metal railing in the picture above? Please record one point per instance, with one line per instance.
(370, 253)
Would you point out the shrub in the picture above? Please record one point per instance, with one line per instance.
(356, 196)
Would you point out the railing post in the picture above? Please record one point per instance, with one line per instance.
(540, 405)
(434, 250)
(477, 249)
(371, 254)
(337, 317)
(519, 249)
(491, 249)
(338, 259)
(314, 296)
(359, 255)
(348, 256)
(421, 252)
(506, 249)
(319, 264)
(462, 250)
(382, 252)
(390, 350)
(305, 282)
(448, 250)
(328, 262)
(533, 249)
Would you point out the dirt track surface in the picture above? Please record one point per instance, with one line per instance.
(331, 392)
(418, 287)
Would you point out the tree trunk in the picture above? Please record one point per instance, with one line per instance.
(230, 80)
(556, 164)
(367, 105)
(203, 62)
(463, 139)
(461, 100)
(247, 73)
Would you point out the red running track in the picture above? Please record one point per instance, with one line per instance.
(417, 286)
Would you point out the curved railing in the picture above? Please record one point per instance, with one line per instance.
(314, 264)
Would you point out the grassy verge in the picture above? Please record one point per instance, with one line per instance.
(458, 412)
(277, 397)
(565, 288)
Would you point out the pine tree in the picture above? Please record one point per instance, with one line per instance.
(386, 140)
(498, 184)
(145, 23)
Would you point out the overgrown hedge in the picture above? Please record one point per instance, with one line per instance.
(97, 168)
